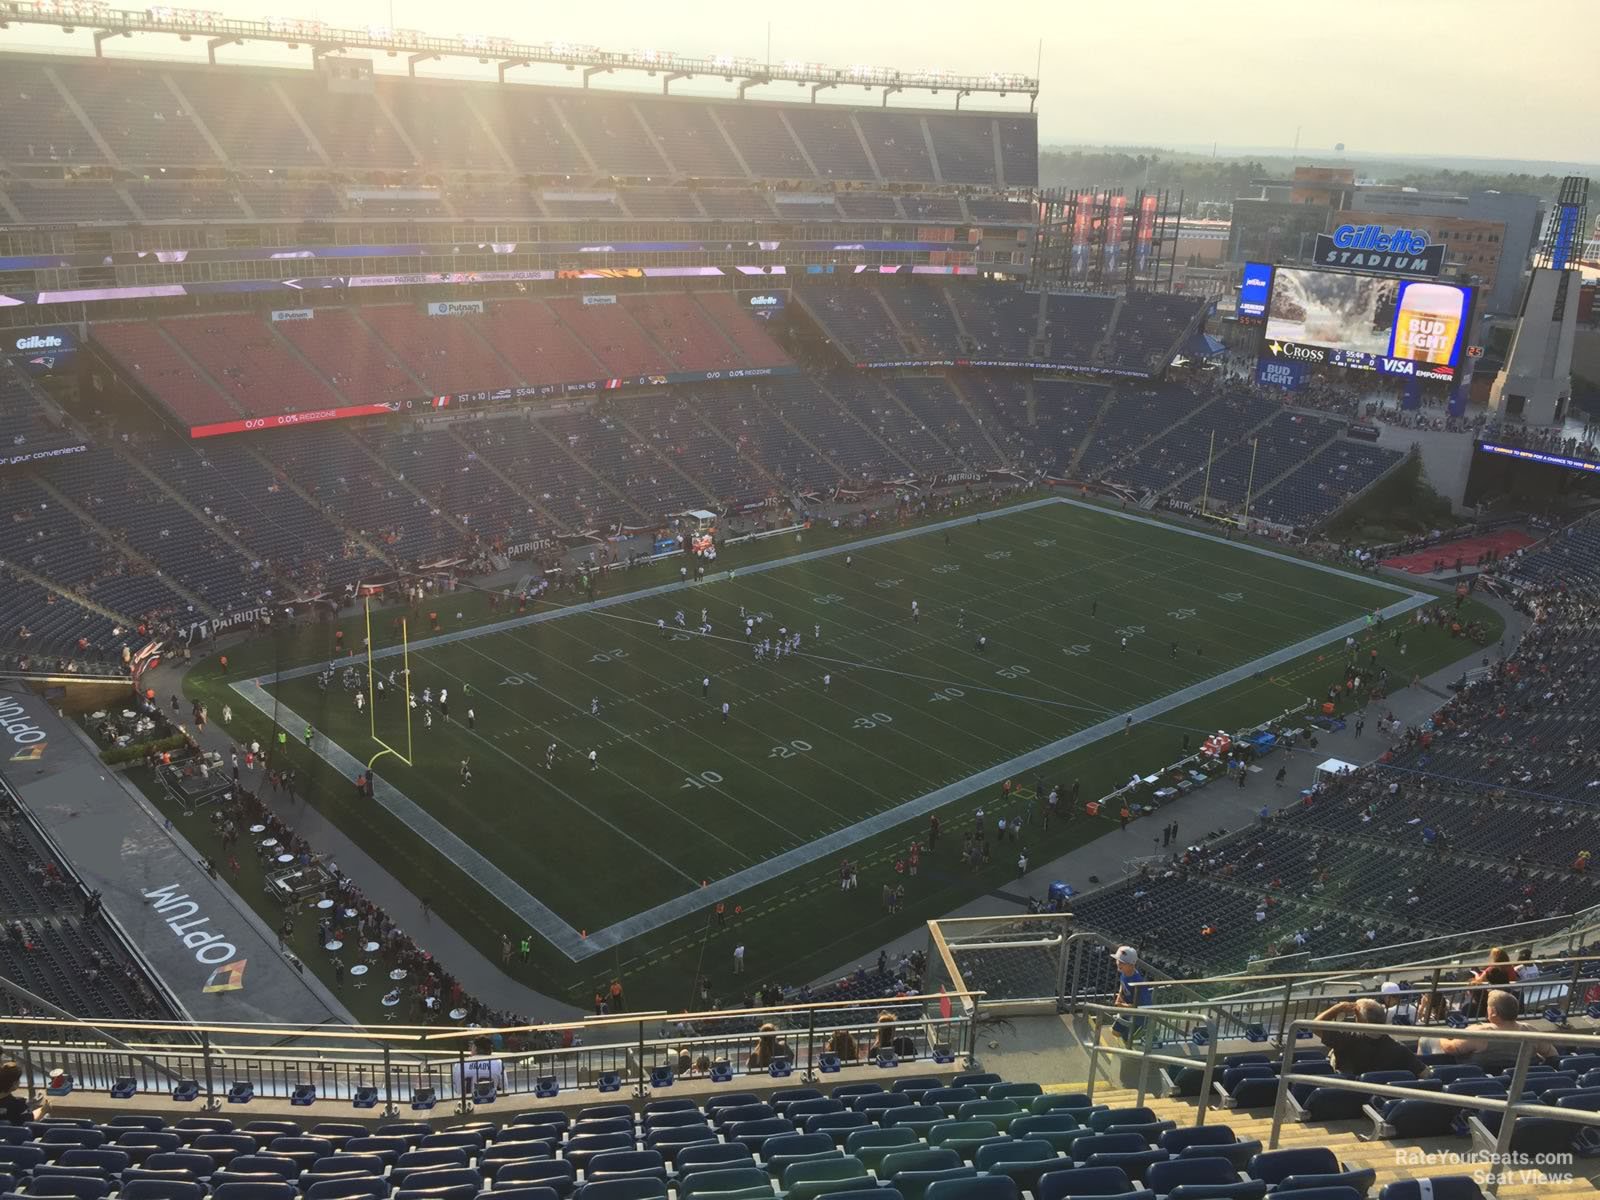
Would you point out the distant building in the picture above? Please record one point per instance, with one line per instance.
(1487, 234)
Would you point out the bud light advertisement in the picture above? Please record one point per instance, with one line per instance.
(1281, 373)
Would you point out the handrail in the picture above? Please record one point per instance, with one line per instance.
(433, 1033)
(1353, 972)
(1148, 1055)
(1511, 1108)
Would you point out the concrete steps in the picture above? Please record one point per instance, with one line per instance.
(1392, 1160)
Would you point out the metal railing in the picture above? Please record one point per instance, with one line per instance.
(1511, 1108)
(396, 1060)
(1295, 995)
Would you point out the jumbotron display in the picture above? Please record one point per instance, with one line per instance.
(1366, 322)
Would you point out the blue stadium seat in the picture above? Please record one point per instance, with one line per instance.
(631, 1187)
(1440, 1187)
(164, 1189)
(1082, 1181)
(712, 1156)
(617, 1164)
(555, 1174)
(984, 1187)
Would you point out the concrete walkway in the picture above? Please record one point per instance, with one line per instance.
(1221, 806)
(478, 975)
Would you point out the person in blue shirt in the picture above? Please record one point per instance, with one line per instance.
(1132, 992)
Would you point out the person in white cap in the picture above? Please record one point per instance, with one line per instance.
(1132, 991)
(1402, 1011)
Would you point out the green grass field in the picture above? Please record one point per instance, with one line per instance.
(678, 795)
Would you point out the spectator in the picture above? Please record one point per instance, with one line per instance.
(890, 1039)
(1355, 1053)
(843, 1043)
(14, 1109)
(1402, 1008)
(468, 1074)
(1132, 991)
(1496, 974)
(768, 1047)
(1494, 1056)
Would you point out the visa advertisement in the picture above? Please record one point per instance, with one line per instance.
(1414, 329)
(1254, 290)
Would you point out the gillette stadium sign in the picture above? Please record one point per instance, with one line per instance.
(1381, 249)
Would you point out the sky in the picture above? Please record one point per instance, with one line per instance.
(1427, 77)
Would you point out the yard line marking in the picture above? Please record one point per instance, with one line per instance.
(561, 935)
(830, 844)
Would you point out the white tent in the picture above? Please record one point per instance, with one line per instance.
(1330, 767)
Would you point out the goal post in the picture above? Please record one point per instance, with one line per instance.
(400, 694)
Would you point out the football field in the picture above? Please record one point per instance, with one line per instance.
(1104, 636)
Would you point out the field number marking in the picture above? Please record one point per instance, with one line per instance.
(1076, 649)
(518, 678)
(1013, 672)
(1182, 614)
(700, 780)
(1230, 597)
(606, 656)
(789, 749)
(828, 598)
(949, 693)
(947, 568)
(873, 720)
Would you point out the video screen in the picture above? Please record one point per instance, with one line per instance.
(1254, 287)
(1336, 312)
(1363, 320)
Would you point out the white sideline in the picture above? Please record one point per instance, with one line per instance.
(549, 925)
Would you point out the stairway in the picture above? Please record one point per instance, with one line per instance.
(1392, 1159)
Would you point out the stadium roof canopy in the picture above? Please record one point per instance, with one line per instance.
(323, 38)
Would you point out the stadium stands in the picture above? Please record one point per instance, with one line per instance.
(222, 366)
(170, 115)
(152, 360)
(1004, 324)
(899, 145)
(55, 942)
(832, 143)
(241, 355)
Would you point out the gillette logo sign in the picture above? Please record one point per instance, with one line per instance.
(48, 342)
(1377, 248)
(1374, 237)
(20, 345)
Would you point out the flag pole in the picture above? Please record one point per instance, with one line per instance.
(1206, 492)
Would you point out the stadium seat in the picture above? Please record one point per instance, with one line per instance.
(871, 1145)
(1439, 1187)
(558, 1175)
(165, 1189)
(1305, 1168)
(617, 1164)
(632, 1187)
(1082, 1181)
(984, 1187)
(723, 1181)
(838, 1125)
(918, 1158)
